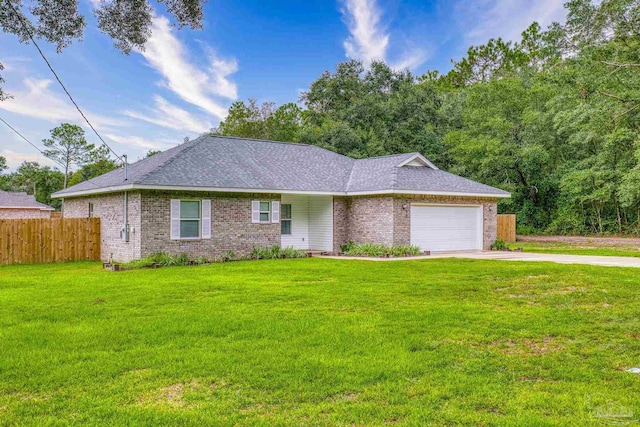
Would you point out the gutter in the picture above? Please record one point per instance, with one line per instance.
(128, 187)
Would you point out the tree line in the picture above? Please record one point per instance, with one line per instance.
(553, 118)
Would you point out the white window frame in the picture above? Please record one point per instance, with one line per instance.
(290, 219)
(199, 219)
(268, 212)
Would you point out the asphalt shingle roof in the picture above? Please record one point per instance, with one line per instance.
(20, 200)
(237, 163)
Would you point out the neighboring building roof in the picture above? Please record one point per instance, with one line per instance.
(21, 201)
(218, 163)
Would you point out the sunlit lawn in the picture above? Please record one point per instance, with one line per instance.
(318, 342)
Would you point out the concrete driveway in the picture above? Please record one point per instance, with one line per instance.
(609, 261)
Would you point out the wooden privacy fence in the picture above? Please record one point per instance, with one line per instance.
(49, 240)
(507, 227)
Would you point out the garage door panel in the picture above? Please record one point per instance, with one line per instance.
(446, 228)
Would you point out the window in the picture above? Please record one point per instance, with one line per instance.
(265, 211)
(189, 219)
(90, 210)
(285, 219)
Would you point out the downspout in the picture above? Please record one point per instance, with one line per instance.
(125, 228)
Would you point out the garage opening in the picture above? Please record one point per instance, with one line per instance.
(441, 228)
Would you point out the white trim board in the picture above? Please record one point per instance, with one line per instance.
(125, 187)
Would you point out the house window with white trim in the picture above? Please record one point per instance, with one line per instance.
(285, 219)
(265, 211)
(190, 217)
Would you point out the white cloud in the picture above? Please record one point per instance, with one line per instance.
(38, 100)
(484, 19)
(15, 159)
(369, 38)
(170, 116)
(197, 85)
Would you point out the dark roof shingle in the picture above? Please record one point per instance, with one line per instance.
(237, 163)
(20, 200)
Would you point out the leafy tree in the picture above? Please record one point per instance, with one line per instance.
(127, 22)
(3, 164)
(68, 146)
(262, 121)
(151, 153)
(30, 176)
(100, 164)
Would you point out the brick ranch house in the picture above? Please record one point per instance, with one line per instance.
(22, 206)
(217, 194)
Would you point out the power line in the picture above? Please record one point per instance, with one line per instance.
(28, 31)
(28, 142)
(60, 163)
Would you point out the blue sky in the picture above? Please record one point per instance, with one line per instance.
(184, 81)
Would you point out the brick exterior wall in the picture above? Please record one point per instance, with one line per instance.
(110, 209)
(231, 226)
(340, 222)
(371, 219)
(24, 214)
(380, 219)
(386, 219)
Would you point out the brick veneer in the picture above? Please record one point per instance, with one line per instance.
(231, 226)
(380, 219)
(371, 220)
(23, 213)
(386, 219)
(340, 222)
(110, 208)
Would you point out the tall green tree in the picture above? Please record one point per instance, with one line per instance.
(68, 146)
(100, 164)
(250, 120)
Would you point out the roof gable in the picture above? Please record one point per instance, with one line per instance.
(417, 160)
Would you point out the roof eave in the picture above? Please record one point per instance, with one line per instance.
(128, 187)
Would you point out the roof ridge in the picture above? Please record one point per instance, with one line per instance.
(394, 179)
(256, 139)
(389, 155)
(301, 144)
(170, 159)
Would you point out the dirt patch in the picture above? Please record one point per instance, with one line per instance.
(344, 397)
(632, 242)
(529, 347)
(171, 395)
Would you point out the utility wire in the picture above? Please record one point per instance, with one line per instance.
(28, 142)
(28, 31)
(41, 152)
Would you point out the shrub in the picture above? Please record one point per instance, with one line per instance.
(226, 256)
(182, 259)
(404, 250)
(273, 252)
(499, 245)
(375, 250)
(348, 247)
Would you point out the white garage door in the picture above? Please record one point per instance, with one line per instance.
(446, 228)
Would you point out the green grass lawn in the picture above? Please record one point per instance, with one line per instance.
(318, 342)
(576, 249)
